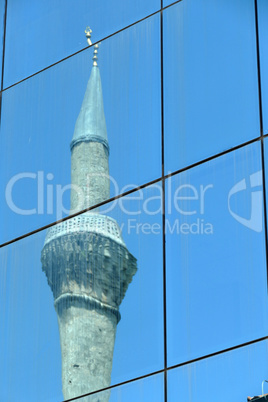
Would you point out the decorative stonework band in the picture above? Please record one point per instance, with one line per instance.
(88, 222)
(90, 138)
(82, 301)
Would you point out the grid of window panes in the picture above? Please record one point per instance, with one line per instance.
(185, 94)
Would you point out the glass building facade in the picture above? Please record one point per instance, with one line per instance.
(162, 272)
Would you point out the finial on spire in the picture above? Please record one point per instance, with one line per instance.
(88, 32)
(95, 55)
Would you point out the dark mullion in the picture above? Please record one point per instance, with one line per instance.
(3, 55)
(40, 229)
(261, 132)
(165, 370)
(163, 203)
(4, 45)
(264, 205)
(210, 158)
(258, 67)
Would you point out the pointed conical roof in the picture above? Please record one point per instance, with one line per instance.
(90, 124)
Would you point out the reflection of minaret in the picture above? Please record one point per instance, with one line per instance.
(85, 259)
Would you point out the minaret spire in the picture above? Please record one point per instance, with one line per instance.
(95, 56)
(88, 33)
(86, 262)
(89, 145)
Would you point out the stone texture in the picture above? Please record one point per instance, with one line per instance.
(86, 262)
(89, 274)
(87, 343)
(89, 175)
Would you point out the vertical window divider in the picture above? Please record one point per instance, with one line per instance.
(163, 203)
(3, 56)
(261, 131)
(4, 44)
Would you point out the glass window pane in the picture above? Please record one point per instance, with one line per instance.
(97, 275)
(50, 30)
(231, 377)
(210, 79)
(139, 217)
(263, 40)
(266, 162)
(216, 265)
(39, 122)
(30, 356)
(2, 17)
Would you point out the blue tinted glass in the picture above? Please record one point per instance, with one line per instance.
(50, 30)
(168, 2)
(99, 267)
(228, 377)
(29, 339)
(210, 79)
(266, 162)
(2, 13)
(263, 40)
(216, 269)
(39, 117)
(147, 389)
(139, 217)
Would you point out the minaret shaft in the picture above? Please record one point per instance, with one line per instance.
(87, 343)
(85, 259)
(88, 268)
(89, 175)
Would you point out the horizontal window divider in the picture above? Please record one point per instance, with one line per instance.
(82, 212)
(215, 156)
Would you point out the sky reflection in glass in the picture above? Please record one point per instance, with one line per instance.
(2, 13)
(50, 30)
(37, 140)
(228, 377)
(216, 266)
(263, 40)
(210, 79)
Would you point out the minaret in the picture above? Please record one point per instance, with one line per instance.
(85, 259)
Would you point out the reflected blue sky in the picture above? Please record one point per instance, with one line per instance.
(229, 377)
(49, 30)
(2, 13)
(210, 73)
(39, 116)
(29, 339)
(216, 266)
(263, 39)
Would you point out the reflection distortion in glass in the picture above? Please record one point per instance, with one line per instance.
(85, 259)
